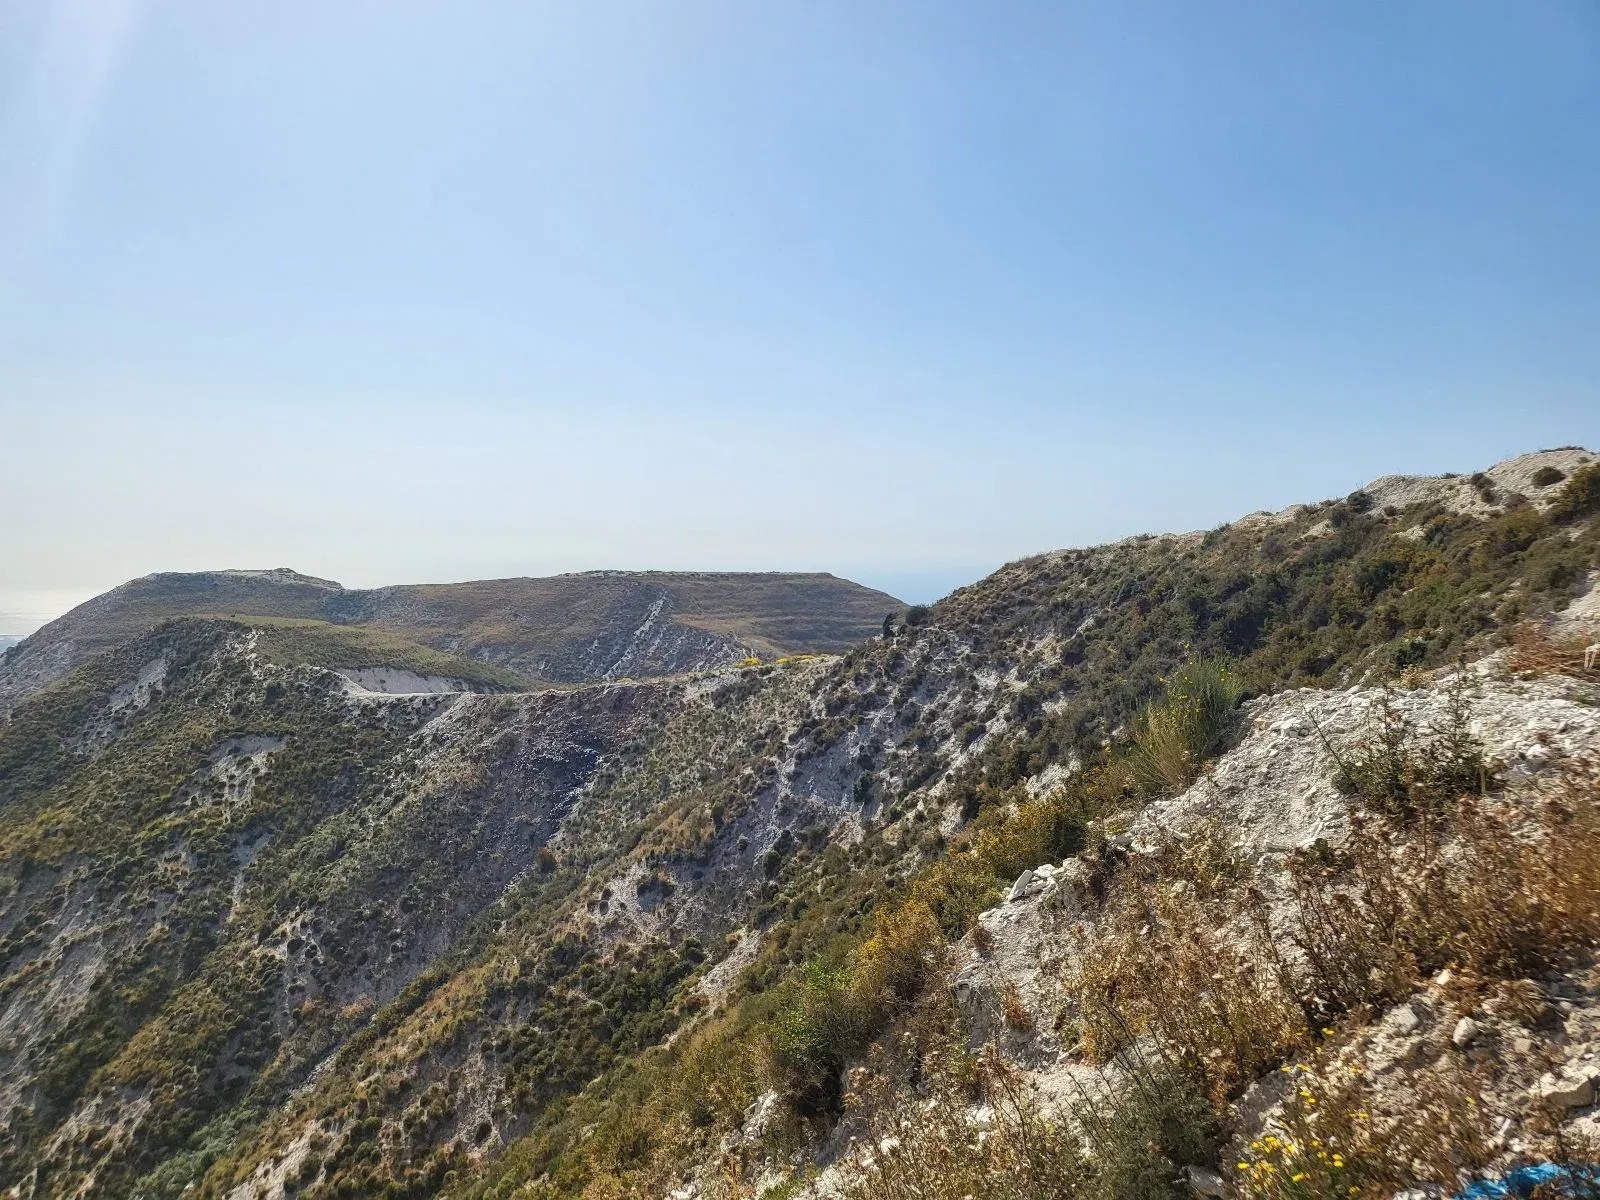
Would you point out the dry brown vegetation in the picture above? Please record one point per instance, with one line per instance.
(1537, 650)
(1183, 996)
(1498, 889)
(931, 1148)
(1179, 953)
(1332, 1140)
(926, 1145)
(1162, 966)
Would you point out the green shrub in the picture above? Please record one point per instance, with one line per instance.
(892, 965)
(1189, 725)
(1404, 772)
(1158, 1123)
(959, 886)
(816, 1029)
(827, 1014)
(1580, 497)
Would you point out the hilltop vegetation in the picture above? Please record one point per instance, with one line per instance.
(266, 936)
(566, 629)
(290, 642)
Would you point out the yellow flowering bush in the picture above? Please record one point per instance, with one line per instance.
(1331, 1139)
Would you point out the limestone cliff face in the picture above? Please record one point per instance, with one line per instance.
(1274, 796)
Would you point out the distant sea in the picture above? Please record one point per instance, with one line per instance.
(22, 610)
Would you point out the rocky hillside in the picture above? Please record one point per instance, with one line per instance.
(566, 629)
(1104, 877)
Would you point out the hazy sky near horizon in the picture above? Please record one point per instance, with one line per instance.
(413, 291)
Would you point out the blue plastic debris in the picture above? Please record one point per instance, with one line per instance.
(1519, 1184)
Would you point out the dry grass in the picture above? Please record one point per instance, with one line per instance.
(1179, 990)
(1348, 928)
(1175, 737)
(1574, 1146)
(1334, 1139)
(1535, 649)
(1498, 891)
(1164, 964)
(1183, 997)
(982, 940)
(928, 1147)
(1013, 1009)
(1208, 860)
(1119, 1141)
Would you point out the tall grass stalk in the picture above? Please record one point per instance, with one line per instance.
(1189, 725)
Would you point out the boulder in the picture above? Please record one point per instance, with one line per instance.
(1403, 1021)
(1567, 1090)
(1465, 1033)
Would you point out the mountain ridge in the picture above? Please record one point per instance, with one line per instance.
(264, 934)
(564, 629)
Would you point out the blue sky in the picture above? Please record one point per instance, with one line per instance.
(423, 291)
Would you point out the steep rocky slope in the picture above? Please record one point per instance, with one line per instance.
(566, 629)
(269, 931)
(225, 864)
(1247, 832)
